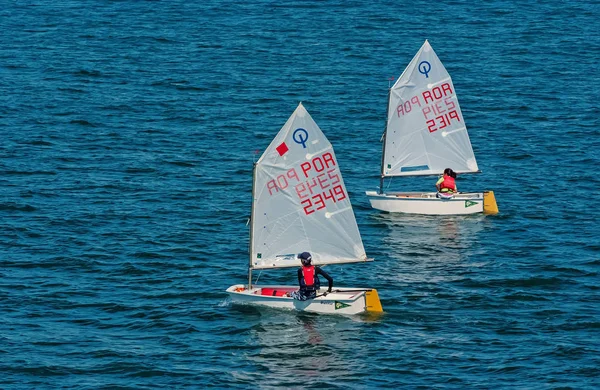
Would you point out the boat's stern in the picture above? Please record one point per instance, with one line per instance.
(489, 203)
(372, 302)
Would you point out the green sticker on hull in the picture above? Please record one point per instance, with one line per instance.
(340, 305)
(469, 203)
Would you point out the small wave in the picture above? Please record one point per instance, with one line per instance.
(549, 313)
(121, 107)
(158, 321)
(15, 207)
(38, 143)
(115, 308)
(69, 89)
(140, 170)
(150, 255)
(570, 351)
(526, 282)
(169, 83)
(148, 373)
(92, 73)
(86, 321)
(568, 270)
(189, 295)
(15, 66)
(82, 122)
(38, 371)
(181, 164)
(225, 302)
(541, 118)
(520, 296)
(580, 325)
(593, 247)
(533, 282)
(49, 343)
(59, 262)
(109, 353)
(593, 262)
(153, 131)
(163, 40)
(29, 173)
(130, 270)
(505, 369)
(517, 157)
(190, 88)
(209, 46)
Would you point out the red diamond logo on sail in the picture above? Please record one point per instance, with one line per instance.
(282, 149)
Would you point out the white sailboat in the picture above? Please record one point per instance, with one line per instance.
(426, 133)
(300, 203)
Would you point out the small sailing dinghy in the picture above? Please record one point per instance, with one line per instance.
(426, 133)
(300, 203)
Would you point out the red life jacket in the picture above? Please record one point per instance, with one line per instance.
(308, 273)
(448, 184)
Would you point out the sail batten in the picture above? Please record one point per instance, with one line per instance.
(301, 202)
(425, 125)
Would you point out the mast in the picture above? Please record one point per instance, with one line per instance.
(251, 242)
(387, 113)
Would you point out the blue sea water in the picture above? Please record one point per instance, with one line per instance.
(127, 135)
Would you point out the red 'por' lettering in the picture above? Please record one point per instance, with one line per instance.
(318, 163)
(437, 93)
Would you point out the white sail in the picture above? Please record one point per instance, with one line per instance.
(300, 201)
(426, 131)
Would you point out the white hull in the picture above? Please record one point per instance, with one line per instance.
(340, 301)
(427, 203)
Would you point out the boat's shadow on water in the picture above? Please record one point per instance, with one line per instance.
(413, 248)
(457, 232)
(288, 343)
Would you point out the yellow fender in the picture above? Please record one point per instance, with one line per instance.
(373, 302)
(489, 203)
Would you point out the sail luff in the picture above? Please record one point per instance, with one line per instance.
(387, 115)
(251, 241)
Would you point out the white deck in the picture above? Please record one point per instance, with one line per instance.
(427, 203)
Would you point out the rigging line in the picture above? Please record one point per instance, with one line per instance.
(389, 183)
(258, 277)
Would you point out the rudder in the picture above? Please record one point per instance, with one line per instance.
(489, 203)
(373, 303)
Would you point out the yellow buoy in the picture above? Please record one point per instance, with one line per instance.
(372, 300)
(489, 203)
